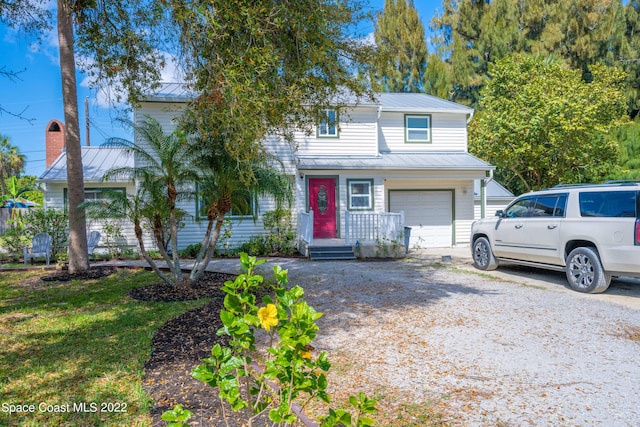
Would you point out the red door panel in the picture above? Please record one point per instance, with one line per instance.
(322, 201)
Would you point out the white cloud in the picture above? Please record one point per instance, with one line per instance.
(115, 95)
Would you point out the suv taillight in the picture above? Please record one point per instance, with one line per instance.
(637, 233)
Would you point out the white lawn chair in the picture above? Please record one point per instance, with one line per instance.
(92, 241)
(40, 248)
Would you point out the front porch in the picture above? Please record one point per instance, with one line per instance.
(365, 235)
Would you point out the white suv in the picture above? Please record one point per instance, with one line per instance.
(592, 232)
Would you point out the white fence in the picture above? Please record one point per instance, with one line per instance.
(373, 227)
(305, 222)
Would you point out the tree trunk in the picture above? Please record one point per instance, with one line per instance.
(78, 256)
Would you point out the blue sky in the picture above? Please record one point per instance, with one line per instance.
(37, 93)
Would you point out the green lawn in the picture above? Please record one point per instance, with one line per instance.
(76, 350)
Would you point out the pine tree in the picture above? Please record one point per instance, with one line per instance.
(402, 48)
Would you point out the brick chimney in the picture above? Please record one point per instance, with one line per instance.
(54, 141)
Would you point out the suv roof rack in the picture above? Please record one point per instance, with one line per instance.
(605, 184)
(623, 182)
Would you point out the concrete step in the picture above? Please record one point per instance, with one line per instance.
(331, 253)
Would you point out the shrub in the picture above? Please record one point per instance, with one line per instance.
(291, 325)
(191, 251)
(55, 222)
(281, 239)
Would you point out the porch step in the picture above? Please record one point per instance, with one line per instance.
(331, 253)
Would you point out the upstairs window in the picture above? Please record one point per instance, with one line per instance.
(328, 126)
(417, 128)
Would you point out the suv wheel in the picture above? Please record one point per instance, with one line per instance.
(483, 258)
(585, 272)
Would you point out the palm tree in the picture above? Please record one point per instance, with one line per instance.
(139, 208)
(225, 184)
(163, 170)
(78, 255)
(11, 161)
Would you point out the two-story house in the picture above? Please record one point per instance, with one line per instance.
(362, 176)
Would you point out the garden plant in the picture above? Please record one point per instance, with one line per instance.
(291, 376)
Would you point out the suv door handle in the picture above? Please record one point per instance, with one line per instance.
(519, 226)
(551, 227)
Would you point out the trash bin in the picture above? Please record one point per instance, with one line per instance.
(407, 235)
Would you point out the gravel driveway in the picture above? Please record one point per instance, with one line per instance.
(483, 351)
(516, 348)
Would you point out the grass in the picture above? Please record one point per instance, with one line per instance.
(76, 350)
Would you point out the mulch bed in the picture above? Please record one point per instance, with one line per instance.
(92, 274)
(179, 346)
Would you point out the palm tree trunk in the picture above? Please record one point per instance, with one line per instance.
(78, 256)
(196, 272)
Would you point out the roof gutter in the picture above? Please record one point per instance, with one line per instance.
(470, 116)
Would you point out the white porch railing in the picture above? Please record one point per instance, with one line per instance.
(305, 221)
(373, 227)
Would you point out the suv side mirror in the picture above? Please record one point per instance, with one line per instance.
(500, 213)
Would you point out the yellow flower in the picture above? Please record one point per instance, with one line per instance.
(268, 316)
(305, 355)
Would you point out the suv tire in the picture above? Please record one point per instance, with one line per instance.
(483, 258)
(585, 272)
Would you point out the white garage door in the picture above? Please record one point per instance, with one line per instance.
(428, 213)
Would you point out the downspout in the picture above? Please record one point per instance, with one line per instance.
(483, 193)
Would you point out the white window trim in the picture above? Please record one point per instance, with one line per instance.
(324, 124)
(369, 182)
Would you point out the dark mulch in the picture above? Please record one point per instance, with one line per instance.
(179, 346)
(91, 274)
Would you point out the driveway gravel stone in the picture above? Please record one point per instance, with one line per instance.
(514, 348)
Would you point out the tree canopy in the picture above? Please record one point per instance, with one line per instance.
(402, 49)
(542, 124)
(472, 34)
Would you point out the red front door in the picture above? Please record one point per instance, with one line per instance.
(322, 201)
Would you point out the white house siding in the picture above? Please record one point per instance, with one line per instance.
(165, 113)
(491, 208)
(448, 133)
(357, 136)
(55, 200)
(242, 227)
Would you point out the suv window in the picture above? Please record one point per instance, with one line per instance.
(553, 205)
(610, 204)
(520, 208)
(550, 206)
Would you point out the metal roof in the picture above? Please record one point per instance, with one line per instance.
(393, 102)
(419, 103)
(170, 92)
(494, 190)
(96, 161)
(424, 161)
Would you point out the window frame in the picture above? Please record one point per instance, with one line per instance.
(324, 122)
(65, 196)
(350, 194)
(407, 129)
(200, 216)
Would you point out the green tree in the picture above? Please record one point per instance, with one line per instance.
(472, 34)
(628, 139)
(11, 162)
(223, 188)
(402, 48)
(541, 124)
(267, 68)
(164, 169)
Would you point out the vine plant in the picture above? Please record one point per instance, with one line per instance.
(292, 377)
